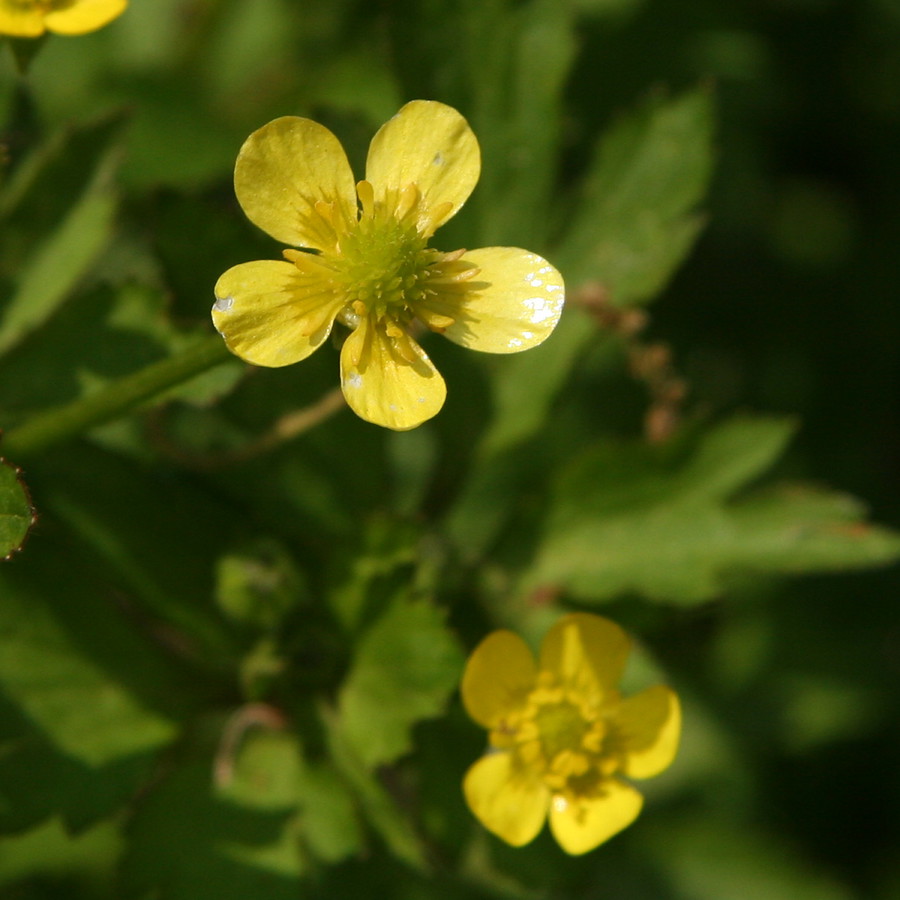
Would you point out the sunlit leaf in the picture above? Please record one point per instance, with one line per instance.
(54, 269)
(271, 774)
(50, 848)
(637, 217)
(622, 521)
(404, 668)
(86, 713)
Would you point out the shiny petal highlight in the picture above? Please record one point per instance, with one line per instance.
(512, 303)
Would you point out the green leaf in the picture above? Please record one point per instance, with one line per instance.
(329, 822)
(271, 775)
(636, 219)
(504, 64)
(626, 519)
(518, 56)
(404, 668)
(705, 860)
(164, 562)
(381, 809)
(525, 386)
(186, 843)
(17, 514)
(266, 771)
(373, 570)
(86, 699)
(38, 780)
(57, 265)
(86, 714)
(50, 849)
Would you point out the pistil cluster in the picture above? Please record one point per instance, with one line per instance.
(562, 737)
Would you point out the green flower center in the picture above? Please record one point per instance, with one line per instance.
(382, 265)
(561, 727)
(562, 737)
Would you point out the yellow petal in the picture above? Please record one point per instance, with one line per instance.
(84, 15)
(389, 380)
(649, 727)
(19, 21)
(498, 676)
(284, 170)
(271, 314)
(507, 799)
(430, 145)
(586, 652)
(512, 303)
(584, 823)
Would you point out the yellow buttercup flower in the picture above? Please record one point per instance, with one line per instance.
(31, 18)
(366, 263)
(562, 739)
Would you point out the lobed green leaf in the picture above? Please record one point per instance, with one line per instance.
(636, 218)
(622, 521)
(404, 669)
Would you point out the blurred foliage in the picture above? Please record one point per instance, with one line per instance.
(229, 655)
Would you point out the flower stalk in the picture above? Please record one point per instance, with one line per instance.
(63, 423)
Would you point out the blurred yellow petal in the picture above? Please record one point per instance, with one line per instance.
(512, 303)
(587, 653)
(21, 21)
(271, 314)
(648, 726)
(498, 676)
(84, 16)
(430, 145)
(293, 180)
(389, 380)
(582, 824)
(508, 800)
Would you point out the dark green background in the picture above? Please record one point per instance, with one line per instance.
(787, 305)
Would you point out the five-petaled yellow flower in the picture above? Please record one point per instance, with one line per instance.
(561, 736)
(31, 18)
(367, 264)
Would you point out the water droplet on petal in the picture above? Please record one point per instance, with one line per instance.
(223, 304)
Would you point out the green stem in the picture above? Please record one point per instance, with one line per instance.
(116, 399)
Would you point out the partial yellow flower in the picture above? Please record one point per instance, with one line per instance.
(562, 739)
(366, 263)
(31, 18)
